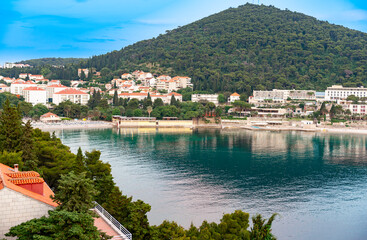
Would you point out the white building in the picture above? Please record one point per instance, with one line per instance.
(73, 95)
(126, 76)
(139, 96)
(85, 70)
(337, 92)
(51, 89)
(8, 80)
(166, 98)
(281, 96)
(23, 75)
(18, 87)
(205, 97)
(4, 88)
(23, 196)
(50, 117)
(18, 65)
(35, 95)
(36, 77)
(234, 97)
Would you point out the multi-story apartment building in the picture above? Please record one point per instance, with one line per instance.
(281, 96)
(338, 92)
(18, 86)
(54, 88)
(73, 95)
(35, 95)
(205, 97)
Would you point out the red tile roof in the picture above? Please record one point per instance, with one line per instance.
(33, 89)
(71, 91)
(235, 95)
(133, 94)
(11, 179)
(57, 86)
(174, 93)
(49, 114)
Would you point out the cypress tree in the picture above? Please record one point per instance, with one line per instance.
(79, 162)
(173, 100)
(27, 146)
(115, 99)
(11, 129)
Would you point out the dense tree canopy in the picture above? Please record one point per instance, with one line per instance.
(251, 47)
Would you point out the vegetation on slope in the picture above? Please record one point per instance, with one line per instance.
(251, 47)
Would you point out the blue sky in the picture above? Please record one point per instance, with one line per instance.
(82, 28)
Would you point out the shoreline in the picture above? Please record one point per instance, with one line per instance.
(104, 125)
(72, 125)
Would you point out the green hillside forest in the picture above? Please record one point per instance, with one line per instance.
(252, 47)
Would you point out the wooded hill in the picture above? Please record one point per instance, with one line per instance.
(250, 47)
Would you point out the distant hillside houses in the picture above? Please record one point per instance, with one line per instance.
(281, 96)
(16, 65)
(132, 82)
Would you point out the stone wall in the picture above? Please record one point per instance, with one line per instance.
(16, 208)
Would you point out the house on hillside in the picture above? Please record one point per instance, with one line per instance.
(234, 97)
(4, 88)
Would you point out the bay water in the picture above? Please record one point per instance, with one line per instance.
(316, 182)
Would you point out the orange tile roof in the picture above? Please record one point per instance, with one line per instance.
(49, 114)
(11, 179)
(33, 89)
(235, 95)
(174, 93)
(71, 91)
(57, 86)
(133, 94)
(21, 181)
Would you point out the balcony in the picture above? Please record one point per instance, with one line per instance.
(108, 224)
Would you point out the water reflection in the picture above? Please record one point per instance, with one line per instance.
(189, 176)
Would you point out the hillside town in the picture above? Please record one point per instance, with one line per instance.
(140, 85)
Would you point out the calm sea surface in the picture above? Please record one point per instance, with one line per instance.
(317, 183)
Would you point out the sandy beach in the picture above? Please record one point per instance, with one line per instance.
(73, 125)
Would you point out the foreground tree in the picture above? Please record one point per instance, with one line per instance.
(60, 225)
(11, 129)
(260, 229)
(75, 193)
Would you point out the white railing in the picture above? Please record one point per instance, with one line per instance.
(113, 221)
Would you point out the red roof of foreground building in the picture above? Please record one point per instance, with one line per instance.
(71, 91)
(23, 181)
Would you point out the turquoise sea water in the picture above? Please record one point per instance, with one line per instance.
(317, 183)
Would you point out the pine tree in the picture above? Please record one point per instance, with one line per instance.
(27, 146)
(115, 99)
(75, 193)
(11, 129)
(79, 162)
(173, 100)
